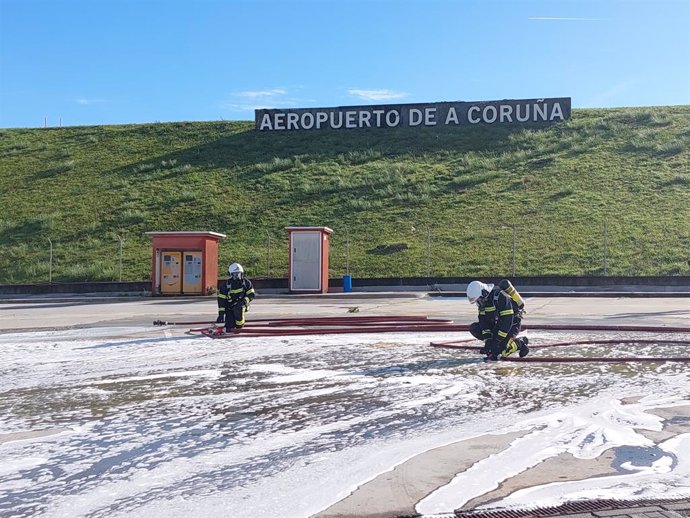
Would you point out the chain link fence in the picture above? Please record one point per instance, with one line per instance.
(604, 248)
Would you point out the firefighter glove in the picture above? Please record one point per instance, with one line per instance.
(485, 348)
(492, 347)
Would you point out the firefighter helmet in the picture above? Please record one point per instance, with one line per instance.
(235, 269)
(477, 290)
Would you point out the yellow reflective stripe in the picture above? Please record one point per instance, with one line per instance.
(240, 322)
(482, 312)
(238, 290)
(502, 334)
(490, 308)
(486, 332)
(221, 296)
(250, 291)
(221, 310)
(506, 312)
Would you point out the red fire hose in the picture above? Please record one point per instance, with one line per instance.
(267, 327)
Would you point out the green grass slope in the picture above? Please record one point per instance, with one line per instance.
(606, 192)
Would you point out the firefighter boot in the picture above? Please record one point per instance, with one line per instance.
(523, 350)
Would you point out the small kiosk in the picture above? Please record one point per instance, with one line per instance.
(308, 259)
(184, 263)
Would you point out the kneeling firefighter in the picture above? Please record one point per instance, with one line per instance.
(500, 315)
(234, 298)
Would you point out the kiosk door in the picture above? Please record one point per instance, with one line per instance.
(191, 281)
(306, 261)
(170, 273)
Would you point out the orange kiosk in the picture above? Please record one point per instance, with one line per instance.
(184, 263)
(308, 265)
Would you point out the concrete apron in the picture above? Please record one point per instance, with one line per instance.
(395, 492)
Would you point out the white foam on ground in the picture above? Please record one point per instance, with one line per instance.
(585, 431)
(656, 481)
(176, 374)
(247, 426)
(17, 464)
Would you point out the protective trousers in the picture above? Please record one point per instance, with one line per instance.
(235, 315)
(510, 346)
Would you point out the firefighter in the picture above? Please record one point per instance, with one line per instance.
(234, 298)
(500, 315)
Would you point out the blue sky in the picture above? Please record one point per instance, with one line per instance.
(133, 61)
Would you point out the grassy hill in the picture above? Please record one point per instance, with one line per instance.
(405, 202)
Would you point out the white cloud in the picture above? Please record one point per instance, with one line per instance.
(563, 18)
(238, 107)
(85, 101)
(376, 95)
(250, 100)
(263, 93)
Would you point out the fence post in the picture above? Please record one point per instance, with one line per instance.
(50, 267)
(268, 255)
(428, 252)
(513, 249)
(121, 241)
(606, 246)
(347, 251)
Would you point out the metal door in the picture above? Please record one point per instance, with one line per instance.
(170, 273)
(191, 278)
(306, 261)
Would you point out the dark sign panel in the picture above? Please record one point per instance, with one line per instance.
(510, 111)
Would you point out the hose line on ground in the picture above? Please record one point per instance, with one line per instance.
(300, 326)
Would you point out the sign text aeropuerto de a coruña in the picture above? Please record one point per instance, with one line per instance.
(510, 111)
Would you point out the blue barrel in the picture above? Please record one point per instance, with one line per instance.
(347, 283)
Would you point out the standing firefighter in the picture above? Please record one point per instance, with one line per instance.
(500, 315)
(234, 298)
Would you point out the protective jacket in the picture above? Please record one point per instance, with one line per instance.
(499, 317)
(234, 297)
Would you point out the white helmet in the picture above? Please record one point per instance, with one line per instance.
(477, 290)
(235, 268)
